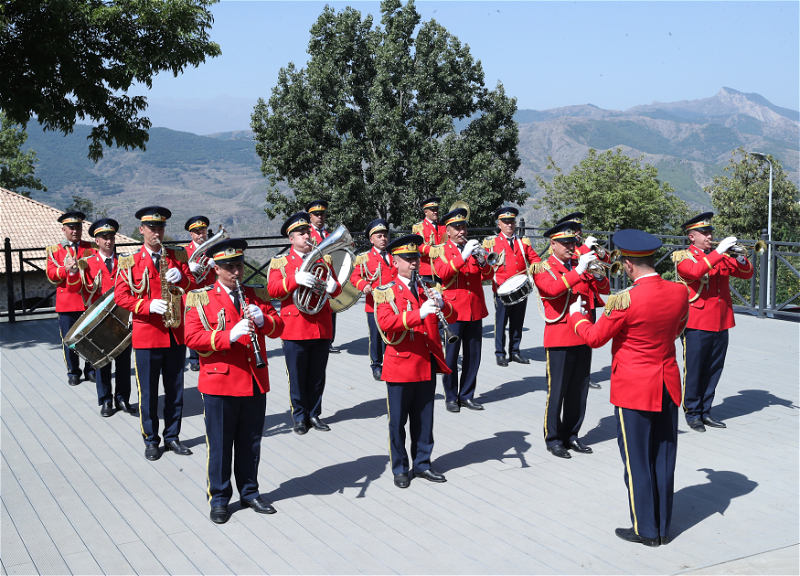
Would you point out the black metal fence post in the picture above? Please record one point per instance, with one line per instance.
(618, 280)
(12, 317)
(762, 283)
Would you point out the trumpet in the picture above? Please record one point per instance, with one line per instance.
(741, 250)
(614, 269)
(483, 257)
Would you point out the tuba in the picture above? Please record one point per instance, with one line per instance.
(312, 300)
(199, 255)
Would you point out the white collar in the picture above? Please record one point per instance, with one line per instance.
(509, 238)
(406, 281)
(151, 252)
(103, 256)
(646, 276)
(431, 221)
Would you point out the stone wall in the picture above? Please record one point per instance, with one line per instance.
(36, 286)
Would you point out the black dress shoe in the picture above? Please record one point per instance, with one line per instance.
(73, 380)
(595, 385)
(431, 476)
(219, 514)
(559, 450)
(333, 350)
(519, 359)
(452, 407)
(579, 446)
(319, 424)
(697, 425)
(665, 540)
(260, 505)
(629, 535)
(177, 447)
(709, 421)
(194, 367)
(91, 376)
(300, 428)
(377, 373)
(124, 406)
(106, 410)
(502, 361)
(401, 480)
(151, 452)
(471, 404)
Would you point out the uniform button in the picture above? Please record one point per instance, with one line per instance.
(249, 359)
(215, 369)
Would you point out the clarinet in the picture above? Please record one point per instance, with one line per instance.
(253, 338)
(448, 333)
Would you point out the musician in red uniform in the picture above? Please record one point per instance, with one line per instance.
(373, 269)
(707, 272)
(559, 283)
(157, 349)
(306, 337)
(433, 234)
(462, 274)
(99, 273)
(516, 255)
(62, 270)
(220, 326)
(644, 322)
(318, 213)
(197, 227)
(408, 321)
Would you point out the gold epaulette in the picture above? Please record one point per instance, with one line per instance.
(417, 229)
(180, 253)
(94, 246)
(526, 241)
(126, 262)
(52, 249)
(538, 267)
(437, 252)
(328, 259)
(278, 263)
(361, 259)
(260, 291)
(383, 294)
(619, 301)
(679, 255)
(83, 263)
(197, 298)
(488, 243)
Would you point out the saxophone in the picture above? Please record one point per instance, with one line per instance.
(170, 294)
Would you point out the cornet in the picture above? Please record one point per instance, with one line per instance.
(614, 269)
(483, 257)
(741, 250)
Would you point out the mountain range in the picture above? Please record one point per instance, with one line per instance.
(219, 174)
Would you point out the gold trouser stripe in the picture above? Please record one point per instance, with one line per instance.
(628, 467)
(289, 382)
(139, 389)
(63, 346)
(208, 451)
(547, 402)
(683, 387)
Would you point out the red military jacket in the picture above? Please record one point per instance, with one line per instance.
(138, 284)
(317, 237)
(558, 288)
(281, 285)
(644, 322)
(228, 368)
(410, 340)
(433, 235)
(69, 287)
(514, 258)
(210, 276)
(371, 270)
(708, 278)
(462, 282)
(97, 280)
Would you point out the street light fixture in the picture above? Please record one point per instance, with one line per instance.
(763, 157)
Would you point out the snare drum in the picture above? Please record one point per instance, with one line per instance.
(514, 290)
(102, 332)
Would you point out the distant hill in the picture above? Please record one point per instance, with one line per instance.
(219, 174)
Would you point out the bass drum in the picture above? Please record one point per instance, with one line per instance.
(343, 263)
(102, 332)
(514, 290)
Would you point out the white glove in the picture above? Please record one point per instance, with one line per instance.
(583, 262)
(428, 307)
(330, 285)
(241, 328)
(173, 276)
(741, 260)
(726, 244)
(590, 242)
(195, 267)
(577, 307)
(469, 248)
(256, 314)
(437, 298)
(306, 279)
(158, 306)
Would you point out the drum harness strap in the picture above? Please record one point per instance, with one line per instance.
(545, 267)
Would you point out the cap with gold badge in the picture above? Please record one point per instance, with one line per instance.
(506, 213)
(564, 232)
(227, 251)
(317, 206)
(70, 218)
(153, 215)
(406, 246)
(196, 222)
(296, 221)
(457, 216)
(574, 217)
(103, 226)
(377, 225)
(701, 222)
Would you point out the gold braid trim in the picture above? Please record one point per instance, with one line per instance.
(361, 259)
(328, 259)
(262, 293)
(527, 241)
(538, 267)
(180, 253)
(126, 262)
(488, 243)
(438, 252)
(677, 257)
(383, 294)
(417, 229)
(619, 301)
(279, 264)
(197, 298)
(680, 255)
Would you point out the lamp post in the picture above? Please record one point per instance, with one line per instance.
(762, 157)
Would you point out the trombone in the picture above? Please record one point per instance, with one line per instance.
(741, 250)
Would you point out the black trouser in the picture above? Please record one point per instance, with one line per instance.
(376, 345)
(194, 357)
(411, 402)
(306, 361)
(470, 336)
(567, 388)
(703, 360)
(122, 377)
(150, 363)
(66, 320)
(514, 317)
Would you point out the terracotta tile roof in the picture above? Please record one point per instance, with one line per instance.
(31, 224)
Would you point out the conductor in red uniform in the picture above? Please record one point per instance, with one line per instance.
(372, 269)
(62, 270)
(433, 234)
(408, 322)
(462, 274)
(644, 322)
(707, 272)
(221, 327)
(158, 350)
(560, 281)
(306, 337)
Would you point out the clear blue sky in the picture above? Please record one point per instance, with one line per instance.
(547, 54)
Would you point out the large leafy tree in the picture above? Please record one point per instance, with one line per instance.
(61, 60)
(370, 124)
(614, 189)
(741, 198)
(16, 167)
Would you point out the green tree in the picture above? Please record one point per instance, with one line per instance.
(741, 198)
(613, 189)
(369, 124)
(16, 166)
(88, 207)
(66, 59)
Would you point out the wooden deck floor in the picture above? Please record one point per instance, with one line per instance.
(79, 497)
